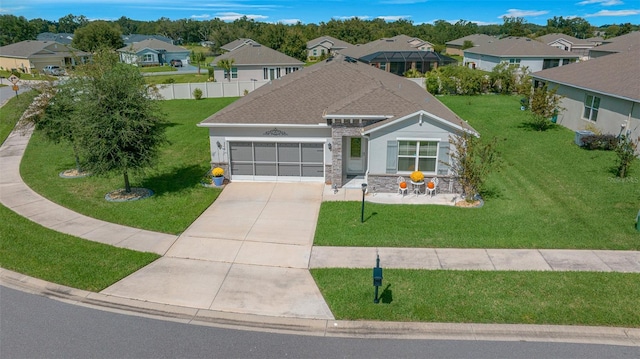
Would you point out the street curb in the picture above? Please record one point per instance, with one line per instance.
(323, 327)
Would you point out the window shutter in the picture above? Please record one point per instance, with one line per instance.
(392, 156)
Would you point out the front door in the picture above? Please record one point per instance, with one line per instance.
(355, 155)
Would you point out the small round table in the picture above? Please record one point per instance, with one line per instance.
(415, 187)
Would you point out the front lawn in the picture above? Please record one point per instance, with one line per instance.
(179, 198)
(560, 298)
(549, 194)
(31, 249)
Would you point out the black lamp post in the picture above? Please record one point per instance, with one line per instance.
(364, 190)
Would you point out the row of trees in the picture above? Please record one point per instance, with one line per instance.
(291, 39)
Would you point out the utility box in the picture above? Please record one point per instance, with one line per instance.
(580, 135)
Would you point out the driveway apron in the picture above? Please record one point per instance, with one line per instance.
(247, 253)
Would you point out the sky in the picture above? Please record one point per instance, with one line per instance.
(482, 12)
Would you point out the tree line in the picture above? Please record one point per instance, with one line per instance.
(291, 39)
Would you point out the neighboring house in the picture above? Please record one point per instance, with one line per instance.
(152, 52)
(131, 38)
(603, 93)
(521, 51)
(398, 54)
(325, 46)
(254, 62)
(617, 44)
(32, 56)
(568, 43)
(62, 38)
(596, 40)
(456, 47)
(336, 121)
(235, 44)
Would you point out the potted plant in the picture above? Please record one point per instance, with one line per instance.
(217, 175)
(417, 177)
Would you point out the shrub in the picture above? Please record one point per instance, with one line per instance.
(170, 80)
(197, 94)
(626, 153)
(600, 142)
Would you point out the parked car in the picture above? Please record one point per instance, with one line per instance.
(176, 63)
(53, 70)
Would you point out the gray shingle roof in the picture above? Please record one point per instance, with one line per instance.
(334, 87)
(396, 43)
(548, 38)
(336, 44)
(236, 44)
(154, 44)
(519, 47)
(621, 43)
(63, 37)
(32, 48)
(256, 54)
(477, 40)
(617, 75)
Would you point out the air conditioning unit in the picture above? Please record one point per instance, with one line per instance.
(580, 135)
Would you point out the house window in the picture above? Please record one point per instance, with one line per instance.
(417, 156)
(288, 70)
(549, 63)
(315, 52)
(147, 58)
(591, 106)
(514, 62)
(234, 73)
(265, 73)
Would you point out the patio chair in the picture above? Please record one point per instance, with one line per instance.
(402, 186)
(432, 191)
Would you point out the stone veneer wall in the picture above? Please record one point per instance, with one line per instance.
(338, 131)
(387, 183)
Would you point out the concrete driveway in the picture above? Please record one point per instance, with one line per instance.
(248, 253)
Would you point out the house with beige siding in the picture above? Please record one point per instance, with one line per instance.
(255, 62)
(521, 51)
(602, 93)
(340, 122)
(568, 43)
(31, 56)
(456, 47)
(325, 46)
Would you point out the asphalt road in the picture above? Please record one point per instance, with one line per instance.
(37, 327)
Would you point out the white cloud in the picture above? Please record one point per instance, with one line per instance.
(200, 17)
(232, 16)
(601, 2)
(365, 17)
(523, 13)
(394, 17)
(289, 21)
(614, 13)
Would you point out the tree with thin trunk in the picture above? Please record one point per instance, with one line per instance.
(226, 65)
(198, 58)
(124, 127)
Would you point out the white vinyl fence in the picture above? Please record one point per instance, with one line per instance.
(209, 89)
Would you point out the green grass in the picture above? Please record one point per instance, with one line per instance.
(560, 298)
(36, 251)
(549, 193)
(179, 198)
(178, 78)
(152, 69)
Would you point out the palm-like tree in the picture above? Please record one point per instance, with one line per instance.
(226, 65)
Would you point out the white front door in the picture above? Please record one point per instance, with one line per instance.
(355, 155)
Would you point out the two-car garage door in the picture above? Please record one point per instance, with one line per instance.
(273, 161)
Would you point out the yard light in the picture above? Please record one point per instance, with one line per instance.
(364, 190)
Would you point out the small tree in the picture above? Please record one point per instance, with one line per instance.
(226, 65)
(198, 58)
(472, 161)
(124, 127)
(197, 94)
(544, 104)
(626, 153)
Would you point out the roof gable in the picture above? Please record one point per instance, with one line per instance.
(476, 39)
(335, 43)
(236, 44)
(256, 54)
(29, 48)
(519, 47)
(336, 88)
(616, 75)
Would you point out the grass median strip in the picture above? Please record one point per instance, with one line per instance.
(559, 298)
